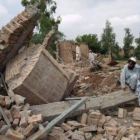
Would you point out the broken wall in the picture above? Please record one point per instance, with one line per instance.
(35, 75)
(84, 50)
(17, 33)
(65, 51)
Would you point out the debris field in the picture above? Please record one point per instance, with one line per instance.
(42, 99)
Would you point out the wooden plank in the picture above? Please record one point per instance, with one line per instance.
(65, 114)
(5, 117)
(50, 111)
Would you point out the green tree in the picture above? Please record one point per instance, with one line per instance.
(108, 39)
(91, 40)
(128, 41)
(46, 21)
(116, 49)
(137, 50)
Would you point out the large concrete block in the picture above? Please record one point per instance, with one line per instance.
(35, 75)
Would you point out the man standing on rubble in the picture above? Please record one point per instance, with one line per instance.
(78, 52)
(130, 76)
(92, 58)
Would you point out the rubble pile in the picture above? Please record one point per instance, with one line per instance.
(95, 83)
(96, 126)
(35, 78)
(36, 75)
(19, 123)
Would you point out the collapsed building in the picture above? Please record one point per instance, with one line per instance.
(33, 73)
(34, 76)
(67, 51)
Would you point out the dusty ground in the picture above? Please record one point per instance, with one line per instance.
(96, 83)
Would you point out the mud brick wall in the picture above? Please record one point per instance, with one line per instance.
(65, 51)
(16, 34)
(35, 75)
(84, 50)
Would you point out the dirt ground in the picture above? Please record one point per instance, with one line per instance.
(96, 83)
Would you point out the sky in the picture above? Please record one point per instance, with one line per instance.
(86, 16)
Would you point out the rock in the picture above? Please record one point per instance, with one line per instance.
(136, 114)
(121, 133)
(68, 134)
(14, 135)
(95, 115)
(88, 136)
(122, 113)
(111, 130)
(88, 128)
(84, 118)
(75, 136)
(74, 123)
(36, 118)
(66, 127)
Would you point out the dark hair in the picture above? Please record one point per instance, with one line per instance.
(134, 63)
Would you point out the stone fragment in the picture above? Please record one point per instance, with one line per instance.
(111, 130)
(15, 123)
(39, 135)
(121, 133)
(88, 129)
(88, 136)
(65, 127)
(68, 134)
(14, 135)
(122, 113)
(36, 118)
(30, 129)
(84, 118)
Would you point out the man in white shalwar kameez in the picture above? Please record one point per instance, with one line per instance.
(92, 58)
(130, 75)
(78, 53)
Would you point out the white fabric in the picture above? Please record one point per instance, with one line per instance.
(92, 58)
(131, 77)
(133, 59)
(78, 53)
(127, 74)
(138, 91)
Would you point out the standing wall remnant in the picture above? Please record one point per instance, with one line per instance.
(67, 51)
(17, 34)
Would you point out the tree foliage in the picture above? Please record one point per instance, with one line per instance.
(116, 49)
(128, 41)
(91, 40)
(108, 39)
(137, 50)
(46, 21)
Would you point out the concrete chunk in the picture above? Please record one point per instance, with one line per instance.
(13, 135)
(30, 129)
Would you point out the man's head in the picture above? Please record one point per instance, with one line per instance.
(131, 63)
(90, 51)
